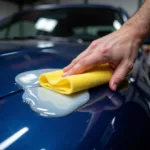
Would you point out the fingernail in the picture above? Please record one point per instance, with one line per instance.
(114, 87)
(64, 68)
(65, 74)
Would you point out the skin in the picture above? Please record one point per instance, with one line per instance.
(119, 48)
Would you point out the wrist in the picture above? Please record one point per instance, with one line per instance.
(137, 34)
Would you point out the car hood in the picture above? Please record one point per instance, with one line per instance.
(110, 120)
(18, 57)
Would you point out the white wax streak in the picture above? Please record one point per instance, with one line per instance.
(13, 138)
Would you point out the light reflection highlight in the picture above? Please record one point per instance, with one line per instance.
(13, 138)
(117, 25)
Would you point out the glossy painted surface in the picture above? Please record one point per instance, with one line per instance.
(109, 121)
(108, 118)
(27, 56)
(47, 132)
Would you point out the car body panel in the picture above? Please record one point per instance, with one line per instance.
(67, 132)
(109, 121)
(23, 58)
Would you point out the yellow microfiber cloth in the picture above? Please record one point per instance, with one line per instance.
(75, 83)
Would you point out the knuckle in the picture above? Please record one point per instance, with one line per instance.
(129, 65)
(79, 67)
(104, 52)
(120, 77)
(84, 63)
(74, 60)
(94, 43)
(81, 63)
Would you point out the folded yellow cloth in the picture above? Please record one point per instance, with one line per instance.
(75, 83)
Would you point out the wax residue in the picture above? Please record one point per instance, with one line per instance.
(45, 102)
(30, 78)
(52, 104)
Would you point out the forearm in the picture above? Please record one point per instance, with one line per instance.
(140, 22)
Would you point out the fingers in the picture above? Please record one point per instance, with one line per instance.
(85, 64)
(81, 56)
(120, 74)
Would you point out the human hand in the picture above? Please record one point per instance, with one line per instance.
(119, 49)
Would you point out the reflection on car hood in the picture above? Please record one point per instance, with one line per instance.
(110, 120)
(18, 57)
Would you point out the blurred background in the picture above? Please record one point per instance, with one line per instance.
(7, 7)
(20, 19)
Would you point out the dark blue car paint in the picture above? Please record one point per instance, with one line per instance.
(110, 121)
(88, 128)
(20, 59)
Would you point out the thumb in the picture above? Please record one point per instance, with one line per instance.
(120, 74)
